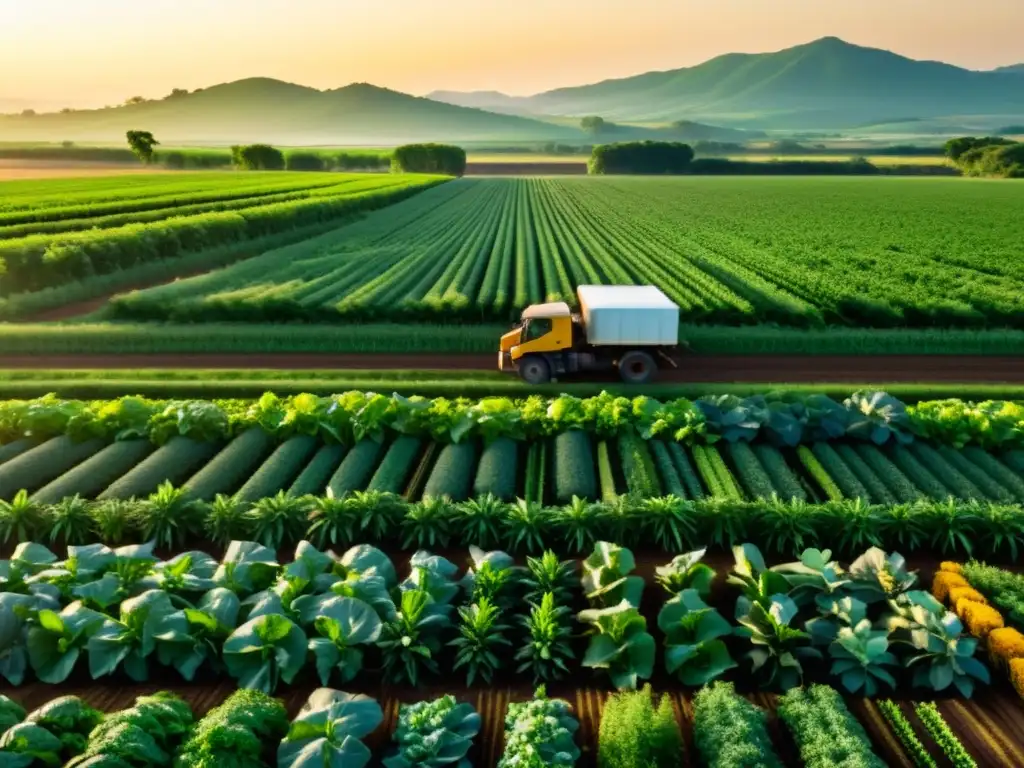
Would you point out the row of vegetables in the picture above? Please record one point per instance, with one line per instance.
(251, 730)
(263, 623)
(780, 418)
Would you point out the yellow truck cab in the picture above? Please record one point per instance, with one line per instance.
(623, 327)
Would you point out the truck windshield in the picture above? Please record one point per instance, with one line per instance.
(536, 328)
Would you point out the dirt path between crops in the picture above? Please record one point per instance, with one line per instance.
(692, 368)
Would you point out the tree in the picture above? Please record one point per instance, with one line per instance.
(429, 158)
(28, 113)
(593, 124)
(258, 157)
(135, 100)
(641, 157)
(177, 93)
(141, 143)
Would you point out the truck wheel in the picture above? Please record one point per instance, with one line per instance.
(534, 370)
(637, 367)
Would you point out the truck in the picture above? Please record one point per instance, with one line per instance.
(628, 328)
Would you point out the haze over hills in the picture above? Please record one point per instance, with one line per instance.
(263, 109)
(828, 83)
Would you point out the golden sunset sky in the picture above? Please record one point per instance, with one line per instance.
(94, 52)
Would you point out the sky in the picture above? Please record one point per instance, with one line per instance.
(82, 53)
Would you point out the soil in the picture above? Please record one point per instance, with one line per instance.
(692, 368)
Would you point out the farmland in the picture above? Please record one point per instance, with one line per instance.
(286, 543)
(799, 252)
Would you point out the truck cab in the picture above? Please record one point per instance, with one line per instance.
(619, 327)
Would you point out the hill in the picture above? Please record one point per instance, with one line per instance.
(263, 109)
(828, 83)
(1016, 69)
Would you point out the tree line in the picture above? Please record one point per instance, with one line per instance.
(994, 156)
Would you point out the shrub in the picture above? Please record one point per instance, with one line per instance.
(956, 594)
(751, 474)
(729, 731)
(641, 157)
(980, 619)
(1006, 643)
(890, 475)
(944, 581)
(840, 473)
(637, 732)
(540, 730)
(243, 732)
(824, 730)
(877, 491)
(687, 474)
(819, 473)
(783, 480)
(638, 466)
(670, 481)
(304, 161)
(429, 158)
(258, 157)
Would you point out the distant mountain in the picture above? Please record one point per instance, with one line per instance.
(828, 83)
(493, 101)
(1015, 69)
(262, 109)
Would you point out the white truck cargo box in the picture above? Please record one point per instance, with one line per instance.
(628, 315)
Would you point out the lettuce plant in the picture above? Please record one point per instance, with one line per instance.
(144, 623)
(686, 571)
(210, 622)
(265, 651)
(56, 640)
(540, 733)
(328, 729)
(694, 652)
(27, 744)
(247, 568)
(434, 733)
(343, 625)
(606, 579)
(778, 647)
(620, 644)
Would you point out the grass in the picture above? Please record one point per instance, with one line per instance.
(162, 383)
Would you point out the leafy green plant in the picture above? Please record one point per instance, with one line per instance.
(950, 745)
(278, 520)
(668, 521)
(619, 644)
(146, 734)
(427, 523)
(729, 731)
(333, 521)
(606, 580)
(540, 732)
(343, 625)
(20, 518)
(243, 732)
(753, 577)
(144, 622)
(264, 652)
(876, 576)
(546, 651)
(527, 525)
(686, 571)
(824, 730)
(69, 719)
(168, 517)
(247, 568)
(860, 654)
(580, 523)
(113, 520)
(481, 520)
(70, 520)
(694, 652)
(225, 519)
(56, 640)
(11, 713)
(636, 730)
(481, 640)
(778, 647)
(410, 642)
(814, 577)
(27, 744)
(210, 624)
(549, 574)
(434, 733)
(328, 729)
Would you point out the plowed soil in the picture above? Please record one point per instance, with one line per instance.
(692, 368)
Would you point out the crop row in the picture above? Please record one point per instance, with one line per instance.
(39, 261)
(263, 624)
(736, 251)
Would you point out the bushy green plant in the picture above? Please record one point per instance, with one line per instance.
(434, 733)
(241, 733)
(546, 651)
(328, 730)
(694, 651)
(778, 647)
(606, 576)
(637, 731)
(548, 573)
(950, 745)
(410, 643)
(481, 641)
(619, 644)
(686, 571)
(540, 733)
(824, 730)
(729, 731)
(264, 652)
(904, 731)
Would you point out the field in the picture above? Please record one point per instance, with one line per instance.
(294, 542)
(795, 251)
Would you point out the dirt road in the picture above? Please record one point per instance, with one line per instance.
(692, 368)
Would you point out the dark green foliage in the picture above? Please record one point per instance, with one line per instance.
(1015, 460)
(785, 483)
(726, 481)
(574, 466)
(1004, 589)
(958, 485)
(175, 461)
(641, 157)
(304, 161)
(687, 474)
(482, 643)
(429, 158)
(147, 734)
(670, 481)
(313, 479)
(841, 474)
(636, 732)
(452, 475)
(548, 649)
(279, 470)
(819, 473)
(605, 473)
(497, 471)
(227, 470)
(752, 475)
(638, 466)
(114, 521)
(243, 732)
(397, 465)
(70, 521)
(97, 472)
(886, 471)
(988, 485)
(950, 745)
(996, 469)
(706, 470)
(824, 730)
(69, 719)
(38, 466)
(258, 157)
(729, 731)
(15, 448)
(904, 731)
(876, 489)
(356, 468)
(11, 713)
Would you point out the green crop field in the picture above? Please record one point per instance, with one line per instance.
(802, 252)
(60, 232)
